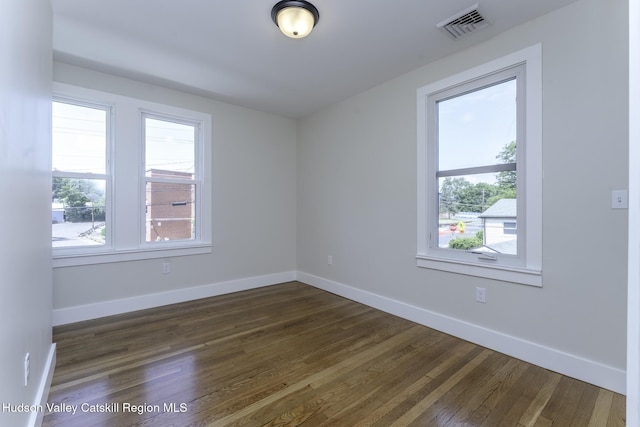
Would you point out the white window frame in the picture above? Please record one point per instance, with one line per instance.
(126, 235)
(107, 176)
(526, 266)
(196, 181)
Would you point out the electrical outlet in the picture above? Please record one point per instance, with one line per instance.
(166, 267)
(27, 368)
(330, 260)
(481, 295)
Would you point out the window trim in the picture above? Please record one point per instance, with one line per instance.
(529, 270)
(127, 227)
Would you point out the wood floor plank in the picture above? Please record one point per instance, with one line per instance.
(617, 413)
(398, 387)
(601, 409)
(506, 406)
(531, 415)
(569, 405)
(584, 409)
(332, 371)
(489, 386)
(425, 403)
(290, 355)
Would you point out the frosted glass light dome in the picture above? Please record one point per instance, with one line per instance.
(295, 19)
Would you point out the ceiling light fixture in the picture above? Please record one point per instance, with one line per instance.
(295, 18)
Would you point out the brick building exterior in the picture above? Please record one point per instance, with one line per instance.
(169, 207)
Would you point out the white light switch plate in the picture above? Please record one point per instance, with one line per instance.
(619, 199)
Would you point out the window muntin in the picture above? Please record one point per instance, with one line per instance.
(439, 165)
(80, 180)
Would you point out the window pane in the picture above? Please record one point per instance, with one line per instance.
(79, 138)
(78, 212)
(170, 211)
(477, 212)
(473, 128)
(169, 147)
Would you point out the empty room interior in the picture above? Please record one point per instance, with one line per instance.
(419, 213)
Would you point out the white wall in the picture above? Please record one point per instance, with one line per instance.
(25, 191)
(254, 206)
(357, 195)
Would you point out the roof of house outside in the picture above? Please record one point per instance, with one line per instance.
(503, 208)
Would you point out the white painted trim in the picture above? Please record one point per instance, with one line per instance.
(63, 316)
(527, 266)
(125, 161)
(633, 298)
(89, 258)
(35, 420)
(567, 364)
(505, 274)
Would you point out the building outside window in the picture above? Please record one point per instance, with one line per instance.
(499, 229)
(170, 213)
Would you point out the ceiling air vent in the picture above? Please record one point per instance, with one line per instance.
(464, 22)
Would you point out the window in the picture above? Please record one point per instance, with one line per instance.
(171, 180)
(81, 176)
(479, 164)
(131, 179)
(509, 227)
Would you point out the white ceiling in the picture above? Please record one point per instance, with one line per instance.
(232, 51)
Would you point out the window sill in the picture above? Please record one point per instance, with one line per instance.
(506, 274)
(76, 259)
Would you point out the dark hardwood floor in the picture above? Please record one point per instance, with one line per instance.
(289, 355)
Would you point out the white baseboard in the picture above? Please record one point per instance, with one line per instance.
(43, 389)
(63, 316)
(555, 360)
